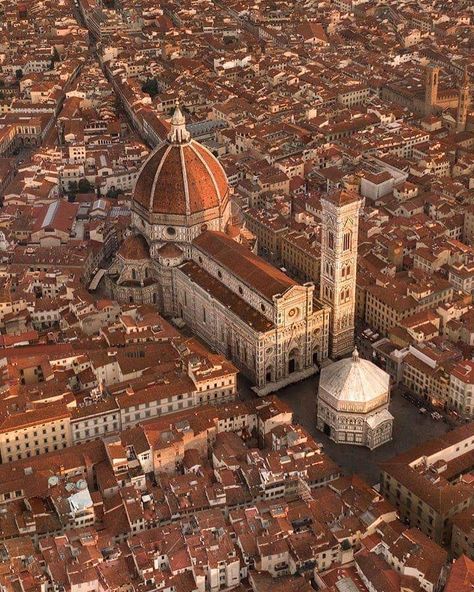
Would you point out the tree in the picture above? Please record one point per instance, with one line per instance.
(114, 193)
(72, 186)
(345, 545)
(150, 87)
(84, 186)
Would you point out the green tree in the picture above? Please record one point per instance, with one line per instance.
(114, 193)
(72, 186)
(84, 186)
(150, 87)
(345, 545)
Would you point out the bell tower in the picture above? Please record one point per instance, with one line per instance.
(463, 105)
(340, 223)
(431, 88)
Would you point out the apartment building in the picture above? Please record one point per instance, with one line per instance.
(430, 484)
(387, 305)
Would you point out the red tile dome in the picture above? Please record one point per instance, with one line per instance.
(181, 177)
(134, 248)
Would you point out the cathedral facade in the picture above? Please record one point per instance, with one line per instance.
(185, 255)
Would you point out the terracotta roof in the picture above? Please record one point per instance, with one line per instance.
(341, 197)
(221, 293)
(170, 250)
(134, 248)
(248, 267)
(461, 576)
(181, 179)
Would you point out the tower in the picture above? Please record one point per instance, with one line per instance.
(463, 105)
(431, 88)
(340, 222)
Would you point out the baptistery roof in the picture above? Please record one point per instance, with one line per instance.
(353, 384)
(181, 177)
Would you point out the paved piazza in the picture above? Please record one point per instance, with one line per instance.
(410, 428)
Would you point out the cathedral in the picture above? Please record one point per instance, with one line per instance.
(185, 255)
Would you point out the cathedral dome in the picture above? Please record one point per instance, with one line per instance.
(181, 177)
(354, 384)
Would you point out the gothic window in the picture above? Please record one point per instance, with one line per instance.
(134, 274)
(345, 295)
(331, 240)
(347, 241)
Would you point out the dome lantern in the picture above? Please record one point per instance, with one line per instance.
(181, 184)
(178, 133)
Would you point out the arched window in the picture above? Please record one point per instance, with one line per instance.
(134, 274)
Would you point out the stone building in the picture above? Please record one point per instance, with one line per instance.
(425, 98)
(464, 103)
(431, 484)
(352, 406)
(185, 255)
(431, 87)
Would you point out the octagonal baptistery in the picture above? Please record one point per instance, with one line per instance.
(353, 399)
(181, 191)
